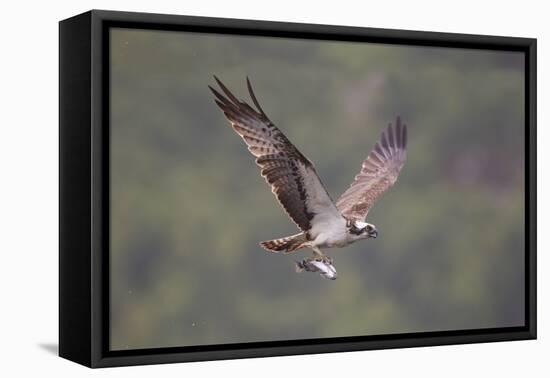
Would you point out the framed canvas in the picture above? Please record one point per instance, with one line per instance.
(202, 163)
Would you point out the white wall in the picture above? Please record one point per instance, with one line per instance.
(28, 166)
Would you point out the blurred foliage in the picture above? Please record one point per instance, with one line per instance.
(189, 206)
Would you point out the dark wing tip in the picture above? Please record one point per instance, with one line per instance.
(391, 137)
(400, 133)
(231, 100)
(226, 91)
(214, 92)
(220, 104)
(253, 97)
(219, 98)
(384, 140)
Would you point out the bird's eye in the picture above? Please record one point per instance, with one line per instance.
(369, 228)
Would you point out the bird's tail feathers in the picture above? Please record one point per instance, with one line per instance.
(286, 245)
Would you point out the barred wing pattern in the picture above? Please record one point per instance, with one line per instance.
(378, 172)
(291, 175)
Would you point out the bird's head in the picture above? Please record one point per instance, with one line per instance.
(362, 230)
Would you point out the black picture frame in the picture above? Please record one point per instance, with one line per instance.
(84, 188)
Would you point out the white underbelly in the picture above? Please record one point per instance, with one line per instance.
(330, 234)
(333, 243)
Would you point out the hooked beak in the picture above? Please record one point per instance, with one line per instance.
(373, 234)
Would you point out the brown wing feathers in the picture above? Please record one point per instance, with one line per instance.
(292, 176)
(282, 165)
(378, 172)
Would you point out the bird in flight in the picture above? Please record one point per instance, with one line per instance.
(323, 223)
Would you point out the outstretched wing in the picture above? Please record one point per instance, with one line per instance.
(379, 172)
(291, 175)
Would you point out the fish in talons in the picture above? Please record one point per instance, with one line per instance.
(320, 265)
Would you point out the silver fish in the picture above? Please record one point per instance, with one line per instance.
(315, 264)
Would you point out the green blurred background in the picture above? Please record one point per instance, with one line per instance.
(188, 205)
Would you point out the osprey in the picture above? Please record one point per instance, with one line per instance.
(298, 188)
